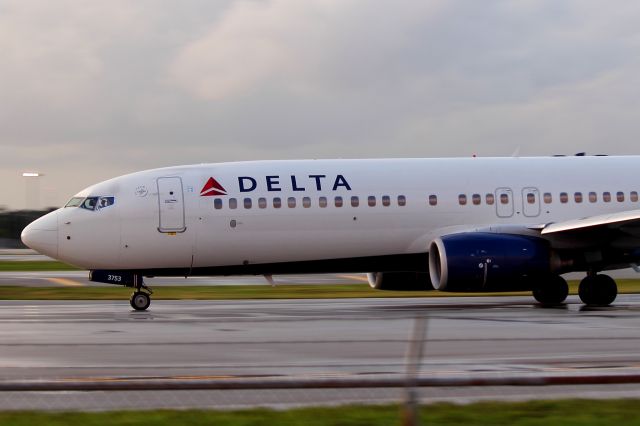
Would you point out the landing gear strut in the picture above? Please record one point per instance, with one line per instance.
(141, 297)
(598, 290)
(551, 291)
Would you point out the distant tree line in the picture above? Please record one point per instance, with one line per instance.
(13, 222)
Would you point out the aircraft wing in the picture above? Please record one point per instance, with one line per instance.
(619, 220)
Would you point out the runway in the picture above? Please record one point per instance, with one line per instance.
(310, 338)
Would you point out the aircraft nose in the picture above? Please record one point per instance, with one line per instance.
(42, 235)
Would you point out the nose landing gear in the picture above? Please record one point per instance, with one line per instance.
(140, 301)
(141, 297)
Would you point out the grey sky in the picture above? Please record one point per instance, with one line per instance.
(91, 90)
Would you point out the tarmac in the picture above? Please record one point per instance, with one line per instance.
(293, 339)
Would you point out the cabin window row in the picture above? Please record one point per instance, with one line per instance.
(292, 202)
(476, 199)
(578, 197)
(592, 197)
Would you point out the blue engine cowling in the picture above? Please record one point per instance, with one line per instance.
(488, 262)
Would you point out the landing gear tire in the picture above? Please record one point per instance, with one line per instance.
(598, 290)
(552, 292)
(140, 301)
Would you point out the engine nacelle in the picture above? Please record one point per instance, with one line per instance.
(400, 281)
(488, 262)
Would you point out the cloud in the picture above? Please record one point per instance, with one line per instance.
(297, 46)
(92, 90)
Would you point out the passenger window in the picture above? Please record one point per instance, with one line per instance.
(476, 199)
(355, 201)
(402, 200)
(490, 199)
(593, 197)
(338, 201)
(577, 197)
(504, 198)
(564, 197)
(547, 198)
(247, 203)
(371, 201)
(277, 202)
(262, 203)
(633, 196)
(433, 200)
(291, 202)
(322, 201)
(386, 200)
(306, 202)
(462, 199)
(217, 203)
(606, 197)
(233, 203)
(620, 196)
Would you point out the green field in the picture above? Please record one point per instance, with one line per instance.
(219, 292)
(35, 265)
(240, 292)
(547, 413)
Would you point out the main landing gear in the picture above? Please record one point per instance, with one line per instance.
(141, 297)
(598, 290)
(594, 290)
(552, 291)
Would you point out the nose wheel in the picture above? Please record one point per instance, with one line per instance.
(141, 297)
(140, 301)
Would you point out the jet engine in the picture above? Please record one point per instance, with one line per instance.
(400, 281)
(488, 262)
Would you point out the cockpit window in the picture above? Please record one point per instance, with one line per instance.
(105, 202)
(74, 202)
(97, 203)
(89, 203)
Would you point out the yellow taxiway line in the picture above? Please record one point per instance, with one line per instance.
(355, 277)
(65, 282)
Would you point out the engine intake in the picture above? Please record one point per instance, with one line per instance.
(488, 262)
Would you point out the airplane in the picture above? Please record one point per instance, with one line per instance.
(450, 224)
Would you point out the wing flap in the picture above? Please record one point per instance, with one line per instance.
(606, 220)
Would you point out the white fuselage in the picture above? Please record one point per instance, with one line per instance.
(166, 219)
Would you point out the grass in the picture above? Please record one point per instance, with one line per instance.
(547, 413)
(226, 292)
(34, 265)
(213, 292)
(244, 292)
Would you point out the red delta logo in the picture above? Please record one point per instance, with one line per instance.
(212, 188)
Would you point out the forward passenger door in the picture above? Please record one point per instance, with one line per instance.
(171, 205)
